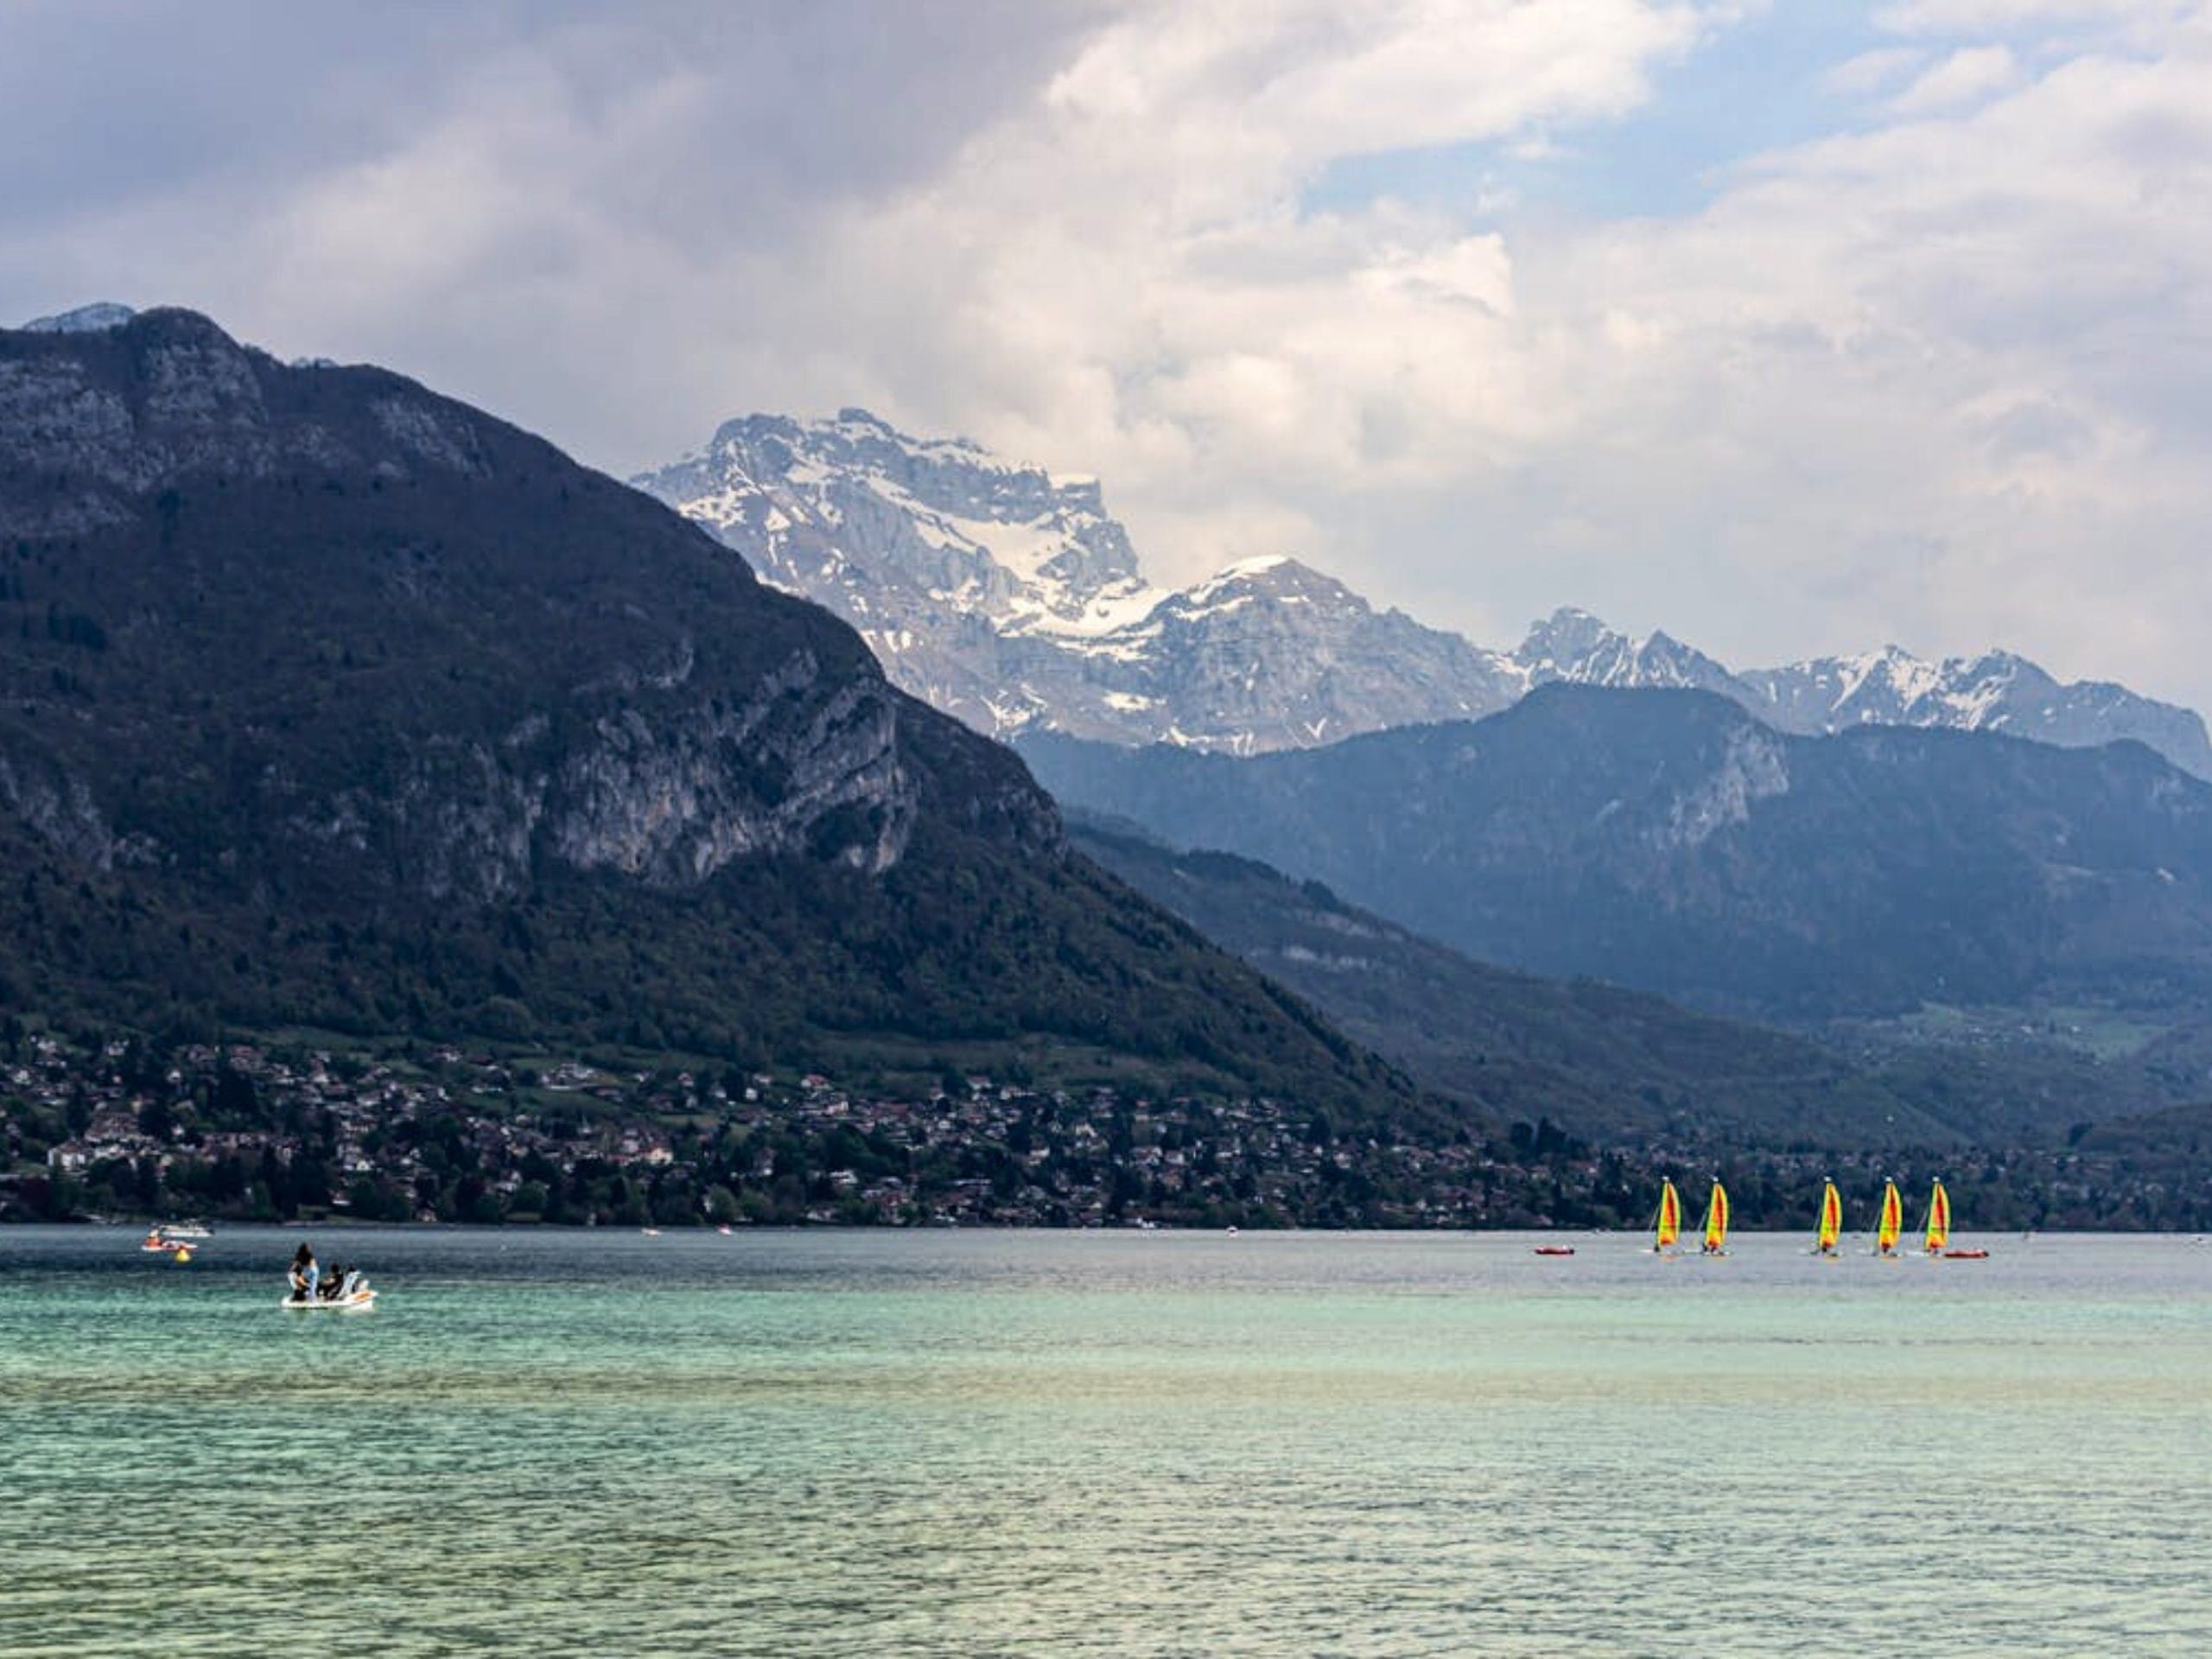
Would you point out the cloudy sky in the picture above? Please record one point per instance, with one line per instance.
(1786, 328)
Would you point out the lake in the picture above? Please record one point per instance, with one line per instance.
(1132, 1443)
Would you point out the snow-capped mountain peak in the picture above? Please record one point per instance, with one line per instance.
(939, 521)
(1271, 578)
(96, 318)
(1007, 595)
(1572, 645)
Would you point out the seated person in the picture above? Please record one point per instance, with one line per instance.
(304, 1276)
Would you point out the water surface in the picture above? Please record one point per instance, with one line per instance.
(1004, 1443)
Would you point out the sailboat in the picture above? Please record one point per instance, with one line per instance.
(1892, 1223)
(1938, 1239)
(1939, 1220)
(1669, 1227)
(1830, 1220)
(1716, 1222)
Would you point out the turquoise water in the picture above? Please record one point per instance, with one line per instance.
(858, 1443)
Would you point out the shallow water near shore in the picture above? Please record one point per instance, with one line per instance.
(1016, 1443)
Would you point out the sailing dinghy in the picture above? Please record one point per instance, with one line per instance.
(1938, 1240)
(1939, 1220)
(1716, 1222)
(1669, 1227)
(1830, 1221)
(1892, 1222)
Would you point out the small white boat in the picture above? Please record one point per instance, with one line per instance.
(362, 1298)
(353, 1292)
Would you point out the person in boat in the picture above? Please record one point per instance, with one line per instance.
(339, 1283)
(305, 1276)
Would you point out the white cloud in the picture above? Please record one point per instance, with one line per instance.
(1942, 380)
(1967, 76)
(1911, 382)
(1981, 17)
(1872, 72)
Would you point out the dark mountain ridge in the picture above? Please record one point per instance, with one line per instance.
(327, 701)
(1611, 1065)
(1600, 1062)
(395, 592)
(1666, 841)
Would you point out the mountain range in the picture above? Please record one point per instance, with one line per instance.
(1668, 842)
(1009, 597)
(331, 704)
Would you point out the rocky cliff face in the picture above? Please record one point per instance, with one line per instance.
(388, 626)
(1008, 598)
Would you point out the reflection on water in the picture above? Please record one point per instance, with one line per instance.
(981, 1444)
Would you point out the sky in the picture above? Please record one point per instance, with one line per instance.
(1787, 329)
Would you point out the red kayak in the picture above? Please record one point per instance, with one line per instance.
(1554, 1249)
(1965, 1255)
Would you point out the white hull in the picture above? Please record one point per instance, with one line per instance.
(360, 1300)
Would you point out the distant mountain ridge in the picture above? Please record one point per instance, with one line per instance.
(1666, 841)
(1009, 598)
(1602, 1062)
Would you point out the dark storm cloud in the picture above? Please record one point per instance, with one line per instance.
(107, 106)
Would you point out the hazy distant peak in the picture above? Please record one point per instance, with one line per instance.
(96, 318)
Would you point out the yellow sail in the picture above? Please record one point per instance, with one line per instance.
(1831, 1219)
(1716, 1221)
(1939, 1219)
(1670, 1227)
(1885, 1236)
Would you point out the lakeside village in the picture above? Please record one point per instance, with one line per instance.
(113, 1129)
